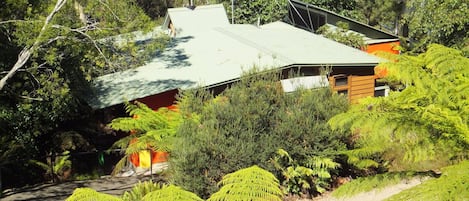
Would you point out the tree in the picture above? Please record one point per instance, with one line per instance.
(424, 126)
(246, 125)
(342, 35)
(444, 22)
(61, 45)
(379, 13)
(256, 11)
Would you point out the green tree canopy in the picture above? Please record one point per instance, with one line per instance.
(246, 125)
(254, 11)
(444, 22)
(50, 50)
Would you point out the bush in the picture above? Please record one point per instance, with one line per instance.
(245, 125)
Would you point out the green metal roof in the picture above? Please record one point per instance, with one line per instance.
(213, 55)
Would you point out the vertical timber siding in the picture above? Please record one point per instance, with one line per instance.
(355, 87)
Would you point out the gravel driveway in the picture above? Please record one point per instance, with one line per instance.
(114, 186)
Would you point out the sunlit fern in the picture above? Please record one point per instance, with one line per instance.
(253, 183)
(171, 193)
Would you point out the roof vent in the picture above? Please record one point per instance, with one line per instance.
(191, 5)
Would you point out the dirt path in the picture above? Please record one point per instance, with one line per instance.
(116, 186)
(54, 192)
(378, 194)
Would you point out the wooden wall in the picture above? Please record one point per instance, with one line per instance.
(354, 87)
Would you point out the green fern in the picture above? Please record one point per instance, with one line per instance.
(140, 190)
(314, 174)
(171, 193)
(453, 184)
(154, 130)
(88, 194)
(253, 183)
(422, 127)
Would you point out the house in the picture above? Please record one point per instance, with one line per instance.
(310, 17)
(207, 51)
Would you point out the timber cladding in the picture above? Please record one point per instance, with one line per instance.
(355, 87)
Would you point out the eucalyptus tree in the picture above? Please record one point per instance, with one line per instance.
(51, 50)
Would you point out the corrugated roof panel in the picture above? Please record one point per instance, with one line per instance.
(188, 21)
(217, 55)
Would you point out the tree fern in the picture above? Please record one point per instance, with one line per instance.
(253, 183)
(153, 130)
(171, 193)
(425, 125)
(314, 175)
(88, 194)
(140, 190)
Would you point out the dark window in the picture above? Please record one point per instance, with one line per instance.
(306, 18)
(340, 80)
(343, 92)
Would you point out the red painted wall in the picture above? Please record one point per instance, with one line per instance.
(164, 99)
(386, 47)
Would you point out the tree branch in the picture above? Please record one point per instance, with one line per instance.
(81, 31)
(25, 54)
(112, 12)
(14, 21)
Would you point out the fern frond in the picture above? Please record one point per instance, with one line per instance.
(140, 190)
(171, 193)
(253, 183)
(120, 165)
(88, 194)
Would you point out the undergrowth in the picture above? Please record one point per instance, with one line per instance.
(365, 184)
(453, 184)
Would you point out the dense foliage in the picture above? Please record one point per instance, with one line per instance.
(444, 22)
(343, 35)
(246, 125)
(50, 51)
(424, 126)
(254, 12)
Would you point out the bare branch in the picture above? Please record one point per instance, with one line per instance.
(15, 21)
(30, 98)
(81, 31)
(112, 12)
(25, 54)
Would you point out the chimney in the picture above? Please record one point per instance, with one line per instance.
(191, 5)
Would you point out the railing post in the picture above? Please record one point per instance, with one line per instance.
(151, 166)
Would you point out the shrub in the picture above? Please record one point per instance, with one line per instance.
(245, 125)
